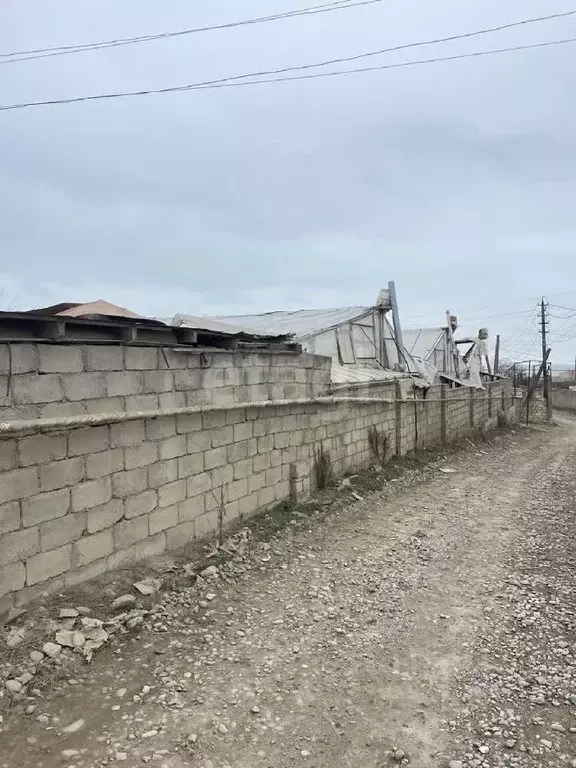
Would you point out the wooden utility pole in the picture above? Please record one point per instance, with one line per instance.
(543, 329)
(497, 354)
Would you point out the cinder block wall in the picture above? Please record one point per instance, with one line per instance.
(79, 502)
(564, 399)
(47, 380)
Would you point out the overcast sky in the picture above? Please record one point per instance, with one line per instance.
(455, 179)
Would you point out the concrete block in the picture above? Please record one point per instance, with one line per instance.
(213, 419)
(91, 493)
(282, 490)
(141, 358)
(215, 458)
(85, 573)
(171, 493)
(172, 400)
(92, 548)
(273, 475)
(7, 454)
(247, 505)
(190, 465)
(151, 546)
(18, 484)
(222, 475)
(237, 416)
(12, 578)
(129, 532)
(65, 530)
(127, 433)
(61, 410)
(256, 482)
(31, 388)
(206, 525)
(172, 447)
(129, 483)
(237, 489)
(9, 517)
(242, 469)
(165, 426)
(163, 519)
(191, 508)
(265, 443)
(104, 405)
(275, 458)
(47, 565)
(140, 455)
(189, 379)
(84, 386)
(141, 403)
(104, 463)
(199, 441)
(180, 535)
(104, 516)
(261, 461)
(266, 497)
(222, 436)
(158, 381)
(18, 545)
(60, 474)
(104, 358)
(243, 431)
(281, 440)
(141, 504)
(237, 451)
(121, 558)
(88, 440)
(60, 358)
(189, 422)
(40, 449)
(198, 484)
(45, 506)
(121, 383)
(20, 358)
(162, 472)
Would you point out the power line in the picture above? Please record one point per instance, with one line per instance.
(232, 82)
(327, 7)
(62, 50)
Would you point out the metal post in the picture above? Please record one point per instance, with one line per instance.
(396, 320)
(497, 354)
(544, 323)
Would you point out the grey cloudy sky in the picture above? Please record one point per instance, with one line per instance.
(455, 179)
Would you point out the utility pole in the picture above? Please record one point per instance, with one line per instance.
(497, 354)
(543, 330)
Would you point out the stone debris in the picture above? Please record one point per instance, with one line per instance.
(16, 636)
(51, 649)
(123, 602)
(148, 586)
(74, 727)
(210, 572)
(68, 613)
(70, 638)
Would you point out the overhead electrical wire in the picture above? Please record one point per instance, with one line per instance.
(10, 58)
(236, 81)
(63, 50)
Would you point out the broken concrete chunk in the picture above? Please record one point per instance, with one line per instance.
(36, 656)
(17, 634)
(51, 649)
(148, 586)
(70, 638)
(74, 727)
(68, 613)
(14, 686)
(91, 623)
(123, 602)
(212, 570)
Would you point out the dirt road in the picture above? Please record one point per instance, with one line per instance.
(431, 624)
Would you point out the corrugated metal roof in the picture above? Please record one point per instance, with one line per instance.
(358, 374)
(211, 324)
(421, 342)
(300, 323)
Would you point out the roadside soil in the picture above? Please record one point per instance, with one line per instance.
(432, 623)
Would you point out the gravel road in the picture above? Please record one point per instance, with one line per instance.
(432, 623)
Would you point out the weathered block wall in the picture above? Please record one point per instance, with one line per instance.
(48, 380)
(564, 399)
(79, 502)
